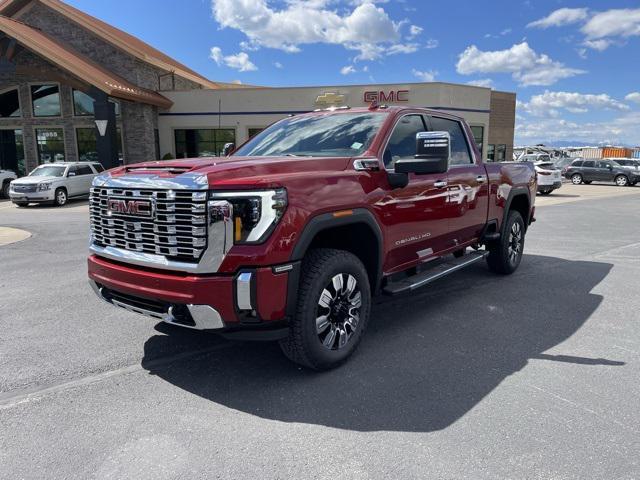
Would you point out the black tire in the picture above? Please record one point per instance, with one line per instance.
(587, 182)
(621, 180)
(60, 198)
(20, 204)
(505, 254)
(544, 192)
(576, 179)
(308, 338)
(5, 190)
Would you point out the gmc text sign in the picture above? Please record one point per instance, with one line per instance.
(381, 96)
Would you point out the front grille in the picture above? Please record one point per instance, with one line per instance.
(25, 188)
(177, 229)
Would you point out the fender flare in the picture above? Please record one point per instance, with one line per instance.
(516, 191)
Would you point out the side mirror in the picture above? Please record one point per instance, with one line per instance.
(433, 150)
(71, 174)
(228, 148)
(610, 167)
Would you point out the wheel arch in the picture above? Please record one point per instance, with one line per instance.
(519, 200)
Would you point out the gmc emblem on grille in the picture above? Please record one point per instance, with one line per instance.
(140, 208)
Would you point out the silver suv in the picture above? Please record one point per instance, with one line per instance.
(54, 182)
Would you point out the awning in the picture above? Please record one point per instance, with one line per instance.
(69, 60)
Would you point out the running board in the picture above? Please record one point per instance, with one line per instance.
(441, 270)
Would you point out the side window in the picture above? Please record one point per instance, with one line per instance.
(402, 143)
(459, 148)
(98, 166)
(72, 169)
(84, 170)
(589, 164)
(577, 163)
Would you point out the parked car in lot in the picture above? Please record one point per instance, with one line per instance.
(587, 171)
(549, 177)
(55, 183)
(290, 237)
(629, 164)
(6, 176)
(563, 163)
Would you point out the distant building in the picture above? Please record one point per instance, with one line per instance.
(75, 88)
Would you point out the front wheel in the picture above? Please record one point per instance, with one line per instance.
(622, 181)
(60, 198)
(576, 179)
(506, 253)
(334, 301)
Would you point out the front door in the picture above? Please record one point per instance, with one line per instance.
(589, 171)
(468, 200)
(415, 216)
(603, 171)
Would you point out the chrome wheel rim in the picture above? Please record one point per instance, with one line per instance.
(62, 197)
(576, 179)
(338, 312)
(515, 243)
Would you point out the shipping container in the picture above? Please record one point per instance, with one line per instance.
(636, 153)
(590, 152)
(618, 152)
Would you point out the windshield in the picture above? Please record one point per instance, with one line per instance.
(333, 135)
(48, 171)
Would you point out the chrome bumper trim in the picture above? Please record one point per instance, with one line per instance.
(205, 317)
(243, 290)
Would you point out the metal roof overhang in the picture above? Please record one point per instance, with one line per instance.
(79, 66)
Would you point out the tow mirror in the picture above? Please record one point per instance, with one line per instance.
(433, 150)
(228, 148)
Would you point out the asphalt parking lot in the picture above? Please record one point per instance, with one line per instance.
(477, 377)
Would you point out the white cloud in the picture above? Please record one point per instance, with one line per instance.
(633, 97)
(432, 43)
(561, 17)
(402, 48)
(414, 31)
(601, 44)
(428, 76)
(363, 29)
(239, 61)
(347, 70)
(481, 82)
(277, 65)
(623, 22)
(525, 65)
(549, 103)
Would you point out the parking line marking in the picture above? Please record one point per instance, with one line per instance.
(13, 398)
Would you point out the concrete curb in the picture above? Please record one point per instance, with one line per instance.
(10, 235)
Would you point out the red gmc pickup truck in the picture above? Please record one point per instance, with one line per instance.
(290, 236)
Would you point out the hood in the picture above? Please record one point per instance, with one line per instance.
(34, 180)
(228, 172)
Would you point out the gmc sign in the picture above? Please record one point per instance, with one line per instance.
(123, 206)
(381, 96)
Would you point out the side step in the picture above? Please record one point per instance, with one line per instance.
(438, 271)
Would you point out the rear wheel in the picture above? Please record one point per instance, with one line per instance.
(506, 253)
(334, 300)
(622, 181)
(587, 182)
(576, 179)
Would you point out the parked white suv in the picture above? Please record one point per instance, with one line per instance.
(5, 179)
(54, 182)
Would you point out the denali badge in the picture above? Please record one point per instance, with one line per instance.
(123, 206)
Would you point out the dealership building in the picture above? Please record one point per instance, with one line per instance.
(75, 88)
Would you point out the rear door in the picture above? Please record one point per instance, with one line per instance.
(468, 199)
(415, 216)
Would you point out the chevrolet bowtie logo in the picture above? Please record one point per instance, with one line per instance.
(329, 99)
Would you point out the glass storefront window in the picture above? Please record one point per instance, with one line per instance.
(50, 145)
(478, 136)
(202, 142)
(501, 151)
(45, 100)
(12, 151)
(491, 152)
(254, 131)
(10, 104)
(88, 144)
(83, 104)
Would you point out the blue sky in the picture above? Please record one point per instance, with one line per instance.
(574, 65)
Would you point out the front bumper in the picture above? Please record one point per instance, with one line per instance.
(31, 197)
(252, 297)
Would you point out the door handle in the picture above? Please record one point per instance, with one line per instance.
(481, 179)
(440, 184)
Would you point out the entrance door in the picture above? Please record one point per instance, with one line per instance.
(12, 151)
(468, 199)
(414, 216)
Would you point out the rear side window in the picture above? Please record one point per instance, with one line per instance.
(99, 168)
(589, 163)
(84, 170)
(577, 163)
(459, 148)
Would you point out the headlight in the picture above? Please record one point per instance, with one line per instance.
(44, 186)
(255, 213)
